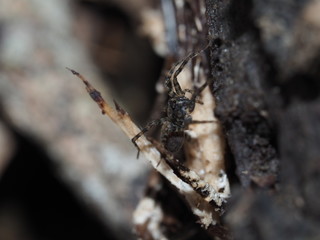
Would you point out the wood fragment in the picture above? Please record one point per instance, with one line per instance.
(197, 191)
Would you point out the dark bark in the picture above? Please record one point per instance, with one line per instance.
(265, 61)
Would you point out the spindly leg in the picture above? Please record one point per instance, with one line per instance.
(199, 90)
(189, 91)
(144, 130)
(202, 121)
(171, 81)
(173, 86)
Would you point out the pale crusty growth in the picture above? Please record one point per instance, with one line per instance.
(205, 149)
(199, 194)
(148, 217)
(205, 145)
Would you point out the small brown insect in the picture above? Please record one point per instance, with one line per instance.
(178, 111)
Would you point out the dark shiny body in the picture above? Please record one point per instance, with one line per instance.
(178, 111)
(177, 120)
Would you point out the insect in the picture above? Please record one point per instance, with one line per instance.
(178, 111)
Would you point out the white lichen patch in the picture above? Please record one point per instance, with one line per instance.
(206, 145)
(148, 217)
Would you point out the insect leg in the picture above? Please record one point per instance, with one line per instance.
(174, 75)
(199, 90)
(202, 121)
(189, 91)
(171, 81)
(143, 131)
(170, 85)
(182, 64)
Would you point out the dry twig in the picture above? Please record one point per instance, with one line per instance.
(196, 190)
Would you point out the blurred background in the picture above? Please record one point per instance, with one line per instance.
(66, 171)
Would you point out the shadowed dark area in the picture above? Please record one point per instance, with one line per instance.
(43, 206)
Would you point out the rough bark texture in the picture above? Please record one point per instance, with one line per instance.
(266, 68)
